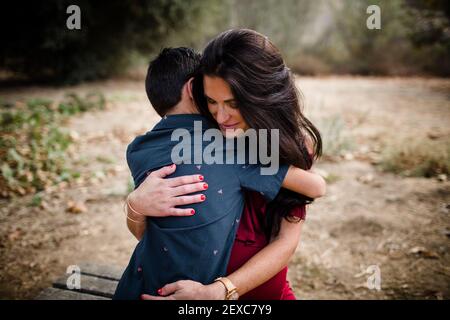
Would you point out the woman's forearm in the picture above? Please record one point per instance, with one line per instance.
(270, 260)
(305, 182)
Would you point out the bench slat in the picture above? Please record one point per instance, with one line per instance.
(101, 271)
(90, 285)
(60, 294)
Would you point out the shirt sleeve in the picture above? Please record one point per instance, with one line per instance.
(268, 185)
(143, 157)
(137, 161)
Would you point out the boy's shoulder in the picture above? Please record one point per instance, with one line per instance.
(146, 139)
(138, 141)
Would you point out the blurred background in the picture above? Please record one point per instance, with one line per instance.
(72, 100)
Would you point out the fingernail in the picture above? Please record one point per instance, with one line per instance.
(173, 165)
(202, 197)
(142, 297)
(160, 291)
(200, 178)
(205, 186)
(192, 212)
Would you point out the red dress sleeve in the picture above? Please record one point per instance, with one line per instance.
(299, 212)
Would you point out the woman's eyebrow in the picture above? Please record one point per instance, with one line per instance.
(228, 100)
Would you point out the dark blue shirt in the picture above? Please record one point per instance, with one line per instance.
(194, 247)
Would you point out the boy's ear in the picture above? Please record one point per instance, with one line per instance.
(189, 87)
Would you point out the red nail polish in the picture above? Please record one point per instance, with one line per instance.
(160, 291)
(205, 186)
(200, 178)
(202, 197)
(192, 212)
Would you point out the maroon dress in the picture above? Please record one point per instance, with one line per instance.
(250, 239)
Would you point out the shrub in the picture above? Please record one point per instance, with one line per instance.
(36, 44)
(33, 145)
(335, 137)
(417, 157)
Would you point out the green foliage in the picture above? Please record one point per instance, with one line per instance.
(33, 146)
(36, 201)
(335, 141)
(319, 37)
(130, 185)
(37, 44)
(75, 104)
(284, 22)
(315, 36)
(369, 49)
(348, 46)
(417, 157)
(332, 178)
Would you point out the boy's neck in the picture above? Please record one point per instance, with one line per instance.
(183, 108)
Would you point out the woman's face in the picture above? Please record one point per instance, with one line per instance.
(222, 106)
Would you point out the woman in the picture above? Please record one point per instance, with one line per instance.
(243, 84)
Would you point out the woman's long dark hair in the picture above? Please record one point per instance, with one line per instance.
(267, 98)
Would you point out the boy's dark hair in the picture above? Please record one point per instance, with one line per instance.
(167, 74)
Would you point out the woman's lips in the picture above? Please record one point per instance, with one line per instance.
(229, 126)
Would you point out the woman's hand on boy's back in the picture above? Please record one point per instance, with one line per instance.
(158, 196)
(189, 290)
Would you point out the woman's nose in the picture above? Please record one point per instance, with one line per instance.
(222, 115)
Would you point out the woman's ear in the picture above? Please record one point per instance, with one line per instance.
(189, 88)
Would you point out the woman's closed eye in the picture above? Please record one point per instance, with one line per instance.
(232, 104)
(210, 101)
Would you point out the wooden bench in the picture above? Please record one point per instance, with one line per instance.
(98, 282)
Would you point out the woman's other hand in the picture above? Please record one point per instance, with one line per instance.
(189, 290)
(158, 197)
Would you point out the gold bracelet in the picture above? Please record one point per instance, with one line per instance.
(126, 203)
(232, 293)
(131, 208)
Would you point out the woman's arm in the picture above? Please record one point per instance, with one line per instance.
(305, 182)
(157, 197)
(270, 260)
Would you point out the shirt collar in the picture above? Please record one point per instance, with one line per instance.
(186, 121)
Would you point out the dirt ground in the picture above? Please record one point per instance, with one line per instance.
(369, 220)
